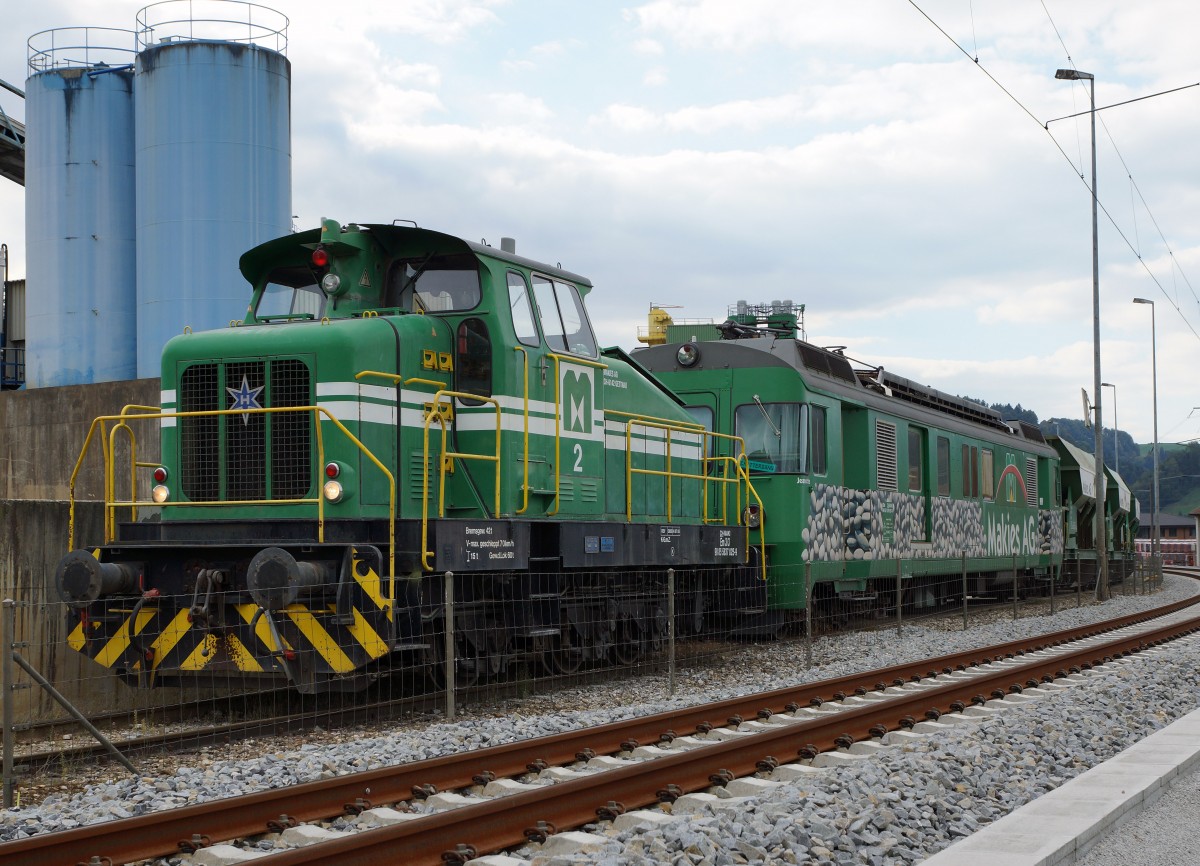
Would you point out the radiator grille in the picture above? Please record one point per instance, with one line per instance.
(1031, 481)
(226, 458)
(198, 437)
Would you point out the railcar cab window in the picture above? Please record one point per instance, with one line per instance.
(522, 311)
(434, 283)
(564, 322)
(290, 293)
(775, 436)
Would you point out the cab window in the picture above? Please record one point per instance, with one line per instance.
(564, 322)
(522, 312)
(473, 370)
(290, 293)
(434, 283)
(775, 436)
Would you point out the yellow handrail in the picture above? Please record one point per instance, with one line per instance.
(147, 413)
(741, 476)
(447, 457)
(525, 431)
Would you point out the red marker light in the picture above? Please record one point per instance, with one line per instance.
(320, 258)
(160, 474)
(332, 470)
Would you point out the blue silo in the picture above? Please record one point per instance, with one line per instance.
(212, 119)
(79, 207)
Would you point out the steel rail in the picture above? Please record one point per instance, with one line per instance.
(158, 834)
(508, 821)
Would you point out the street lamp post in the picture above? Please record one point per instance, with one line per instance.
(1116, 430)
(1156, 539)
(1100, 534)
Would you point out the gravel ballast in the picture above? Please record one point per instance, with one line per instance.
(907, 803)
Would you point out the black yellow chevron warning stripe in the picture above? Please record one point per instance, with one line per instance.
(159, 636)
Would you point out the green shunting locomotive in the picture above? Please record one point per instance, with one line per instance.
(399, 403)
(863, 474)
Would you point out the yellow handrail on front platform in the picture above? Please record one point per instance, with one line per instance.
(149, 413)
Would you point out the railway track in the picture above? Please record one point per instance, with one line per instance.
(692, 748)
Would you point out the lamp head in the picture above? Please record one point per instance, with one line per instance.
(1073, 75)
(1143, 301)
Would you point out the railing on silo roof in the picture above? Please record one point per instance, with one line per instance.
(80, 48)
(212, 20)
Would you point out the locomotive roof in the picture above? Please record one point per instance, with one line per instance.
(395, 240)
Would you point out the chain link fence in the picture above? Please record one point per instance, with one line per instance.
(139, 675)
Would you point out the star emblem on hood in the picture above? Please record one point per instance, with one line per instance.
(245, 398)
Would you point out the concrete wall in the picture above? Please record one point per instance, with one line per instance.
(41, 434)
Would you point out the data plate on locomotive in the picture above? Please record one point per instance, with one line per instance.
(482, 545)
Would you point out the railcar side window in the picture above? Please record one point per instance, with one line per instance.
(986, 471)
(564, 322)
(291, 292)
(943, 466)
(970, 472)
(434, 284)
(776, 436)
(818, 464)
(916, 459)
(522, 313)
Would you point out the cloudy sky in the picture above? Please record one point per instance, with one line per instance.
(848, 156)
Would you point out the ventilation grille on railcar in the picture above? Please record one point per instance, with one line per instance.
(885, 455)
(829, 363)
(1031, 481)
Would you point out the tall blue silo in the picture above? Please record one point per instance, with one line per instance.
(79, 207)
(212, 119)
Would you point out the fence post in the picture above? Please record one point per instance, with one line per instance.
(1053, 588)
(808, 594)
(6, 687)
(1079, 583)
(671, 631)
(1014, 587)
(899, 598)
(450, 661)
(964, 578)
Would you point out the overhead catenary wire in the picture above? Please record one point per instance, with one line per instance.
(1045, 128)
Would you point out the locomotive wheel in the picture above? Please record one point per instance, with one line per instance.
(563, 656)
(627, 648)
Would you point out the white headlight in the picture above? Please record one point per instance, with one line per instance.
(160, 493)
(687, 355)
(330, 283)
(333, 491)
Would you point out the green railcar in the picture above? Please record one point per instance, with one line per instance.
(868, 480)
(396, 404)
